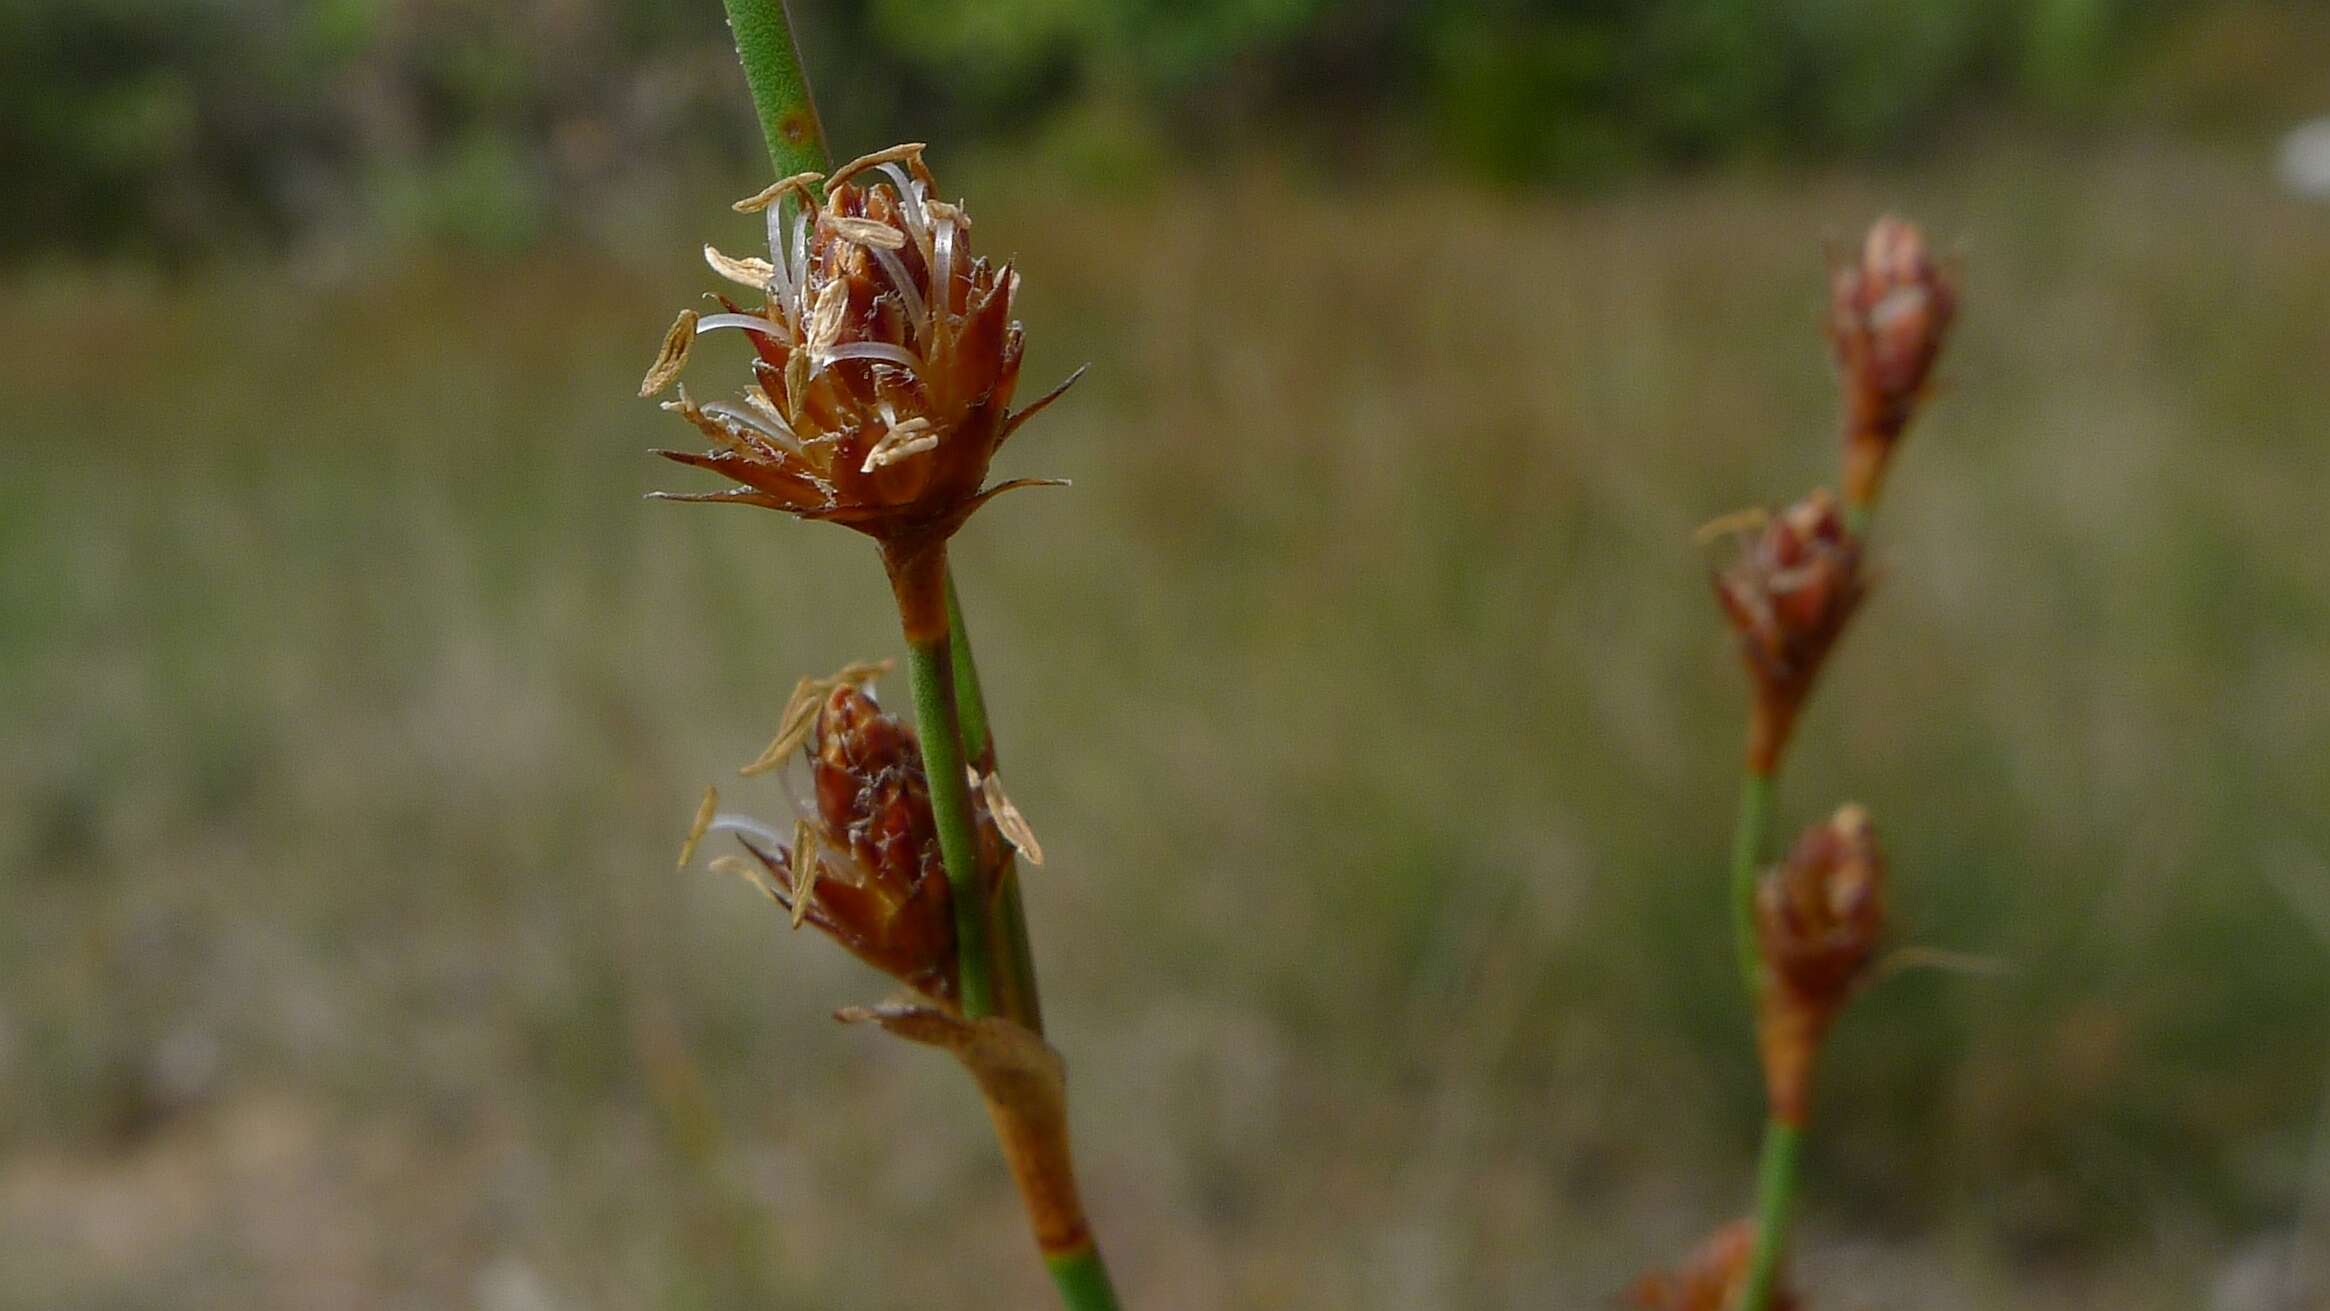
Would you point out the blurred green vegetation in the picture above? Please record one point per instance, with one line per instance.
(353, 705)
(179, 127)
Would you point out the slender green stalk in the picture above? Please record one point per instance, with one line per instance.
(929, 671)
(1775, 1200)
(1747, 854)
(780, 86)
(971, 699)
(1082, 1280)
(1019, 991)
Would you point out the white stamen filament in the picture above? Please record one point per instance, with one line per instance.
(748, 322)
(780, 277)
(800, 257)
(909, 195)
(913, 198)
(872, 350)
(942, 271)
(908, 295)
(758, 402)
(765, 424)
(748, 826)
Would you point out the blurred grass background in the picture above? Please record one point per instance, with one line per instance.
(1365, 690)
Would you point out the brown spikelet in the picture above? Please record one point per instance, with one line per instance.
(1889, 315)
(888, 358)
(864, 866)
(1788, 595)
(1820, 915)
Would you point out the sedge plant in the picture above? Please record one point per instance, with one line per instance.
(1806, 930)
(885, 361)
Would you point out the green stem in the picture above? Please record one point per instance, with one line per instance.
(1023, 1002)
(978, 737)
(780, 86)
(1747, 854)
(1082, 1280)
(1775, 1200)
(929, 670)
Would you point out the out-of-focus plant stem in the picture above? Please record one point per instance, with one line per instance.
(1776, 1173)
(1082, 1280)
(1775, 1200)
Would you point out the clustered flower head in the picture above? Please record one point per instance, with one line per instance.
(1820, 915)
(1788, 595)
(1820, 911)
(1889, 313)
(865, 865)
(885, 357)
(1710, 1279)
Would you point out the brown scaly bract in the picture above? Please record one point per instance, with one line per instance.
(886, 358)
(1709, 1279)
(1788, 595)
(875, 881)
(1820, 915)
(1889, 314)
